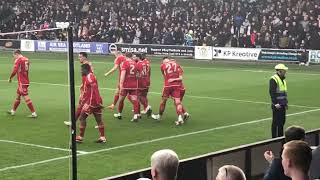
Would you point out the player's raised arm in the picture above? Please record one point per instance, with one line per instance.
(111, 71)
(117, 63)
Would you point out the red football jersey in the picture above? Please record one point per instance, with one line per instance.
(144, 70)
(91, 94)
(171, 70)
(91, 70)
(118, 61)
(21, 68)
(130, 80)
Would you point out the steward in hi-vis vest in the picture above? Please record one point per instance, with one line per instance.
(278, 94)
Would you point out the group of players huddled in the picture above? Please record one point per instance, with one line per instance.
(133, 83)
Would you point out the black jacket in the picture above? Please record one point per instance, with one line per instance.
(275, 171)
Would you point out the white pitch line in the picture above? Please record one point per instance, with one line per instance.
(196, 97)
(155, 140)
(195, 67)
(196, 132)
(40, 146)
(35, 163)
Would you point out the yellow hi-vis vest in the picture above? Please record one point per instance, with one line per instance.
(281, 93)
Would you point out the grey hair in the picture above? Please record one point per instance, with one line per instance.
(166, 163)
(231, 172)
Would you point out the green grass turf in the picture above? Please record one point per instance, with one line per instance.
(211, 88)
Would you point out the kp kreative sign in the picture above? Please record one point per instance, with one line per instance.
(236, 53)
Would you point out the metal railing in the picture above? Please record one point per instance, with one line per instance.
(249, 157)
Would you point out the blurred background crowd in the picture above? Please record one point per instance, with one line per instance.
(288, 24)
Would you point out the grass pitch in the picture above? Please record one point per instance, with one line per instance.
(220, 97)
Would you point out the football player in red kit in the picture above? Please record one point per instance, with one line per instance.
(117, 64)
(83, 59)
(92, 104)
(173, 87)
(21, 69)
(128, 86)
(144, 69)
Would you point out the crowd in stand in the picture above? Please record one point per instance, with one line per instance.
(239, 23)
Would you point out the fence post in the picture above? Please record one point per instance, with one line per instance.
(248, 163)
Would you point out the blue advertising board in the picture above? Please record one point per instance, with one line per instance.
(281, 55)
(62, 46)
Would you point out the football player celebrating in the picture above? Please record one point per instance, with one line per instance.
(173, 87)
(83, 59)
(92, 104)
(128, 86)
(117, 63)
(144, 69)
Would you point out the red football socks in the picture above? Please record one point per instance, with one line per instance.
(144, 102)
(101, 129)
(16, 104)
(30, 105)
(82, 129)
(78, 111)
(115, 99)
(179, 109)
(120, 106)
(162, 108)
(136, 107)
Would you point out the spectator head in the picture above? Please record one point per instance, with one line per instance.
(164, 165)
(294, 133)
(16, 53)
(230, 172)
(83, 57)
(296, 158)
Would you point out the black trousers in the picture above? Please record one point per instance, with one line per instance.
(278, 121)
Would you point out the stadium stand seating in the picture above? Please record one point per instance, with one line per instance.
(247, 23)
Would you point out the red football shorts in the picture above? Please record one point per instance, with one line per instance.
(92, 110)
(174, 92)
(125, 92)
(143, 92)
(22, 90)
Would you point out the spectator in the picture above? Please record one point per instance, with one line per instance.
(178, 36)
(230, 172)
(117, 21)
(259, 41)
(315, 164)
(137, 36)
(305, 23)
(188, 38)
(275, 171)
(253, 38)
(241, 40)
(234, 41)
(267, 41)
(284, 41)
(296, 160)
(164, 165)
